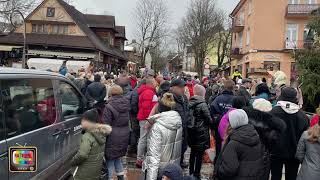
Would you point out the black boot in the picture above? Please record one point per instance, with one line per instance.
(121, 177)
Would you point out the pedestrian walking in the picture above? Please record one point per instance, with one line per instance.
(242, 155)
(244, 90)
(190, 85)
(262, 91)
(88, 160)
(63, 68)
(308, 153)
(182, 107)
(116, 114)
(198, 126)
(283, 152)
(316, 117)
(147, 99)
(164, 138)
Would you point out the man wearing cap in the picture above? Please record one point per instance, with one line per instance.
(177, 88)
(244, 90)
(283, 152)
(190, 85)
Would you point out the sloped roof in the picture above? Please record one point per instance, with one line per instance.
(121, 32)
(49, 39)
(100, 21)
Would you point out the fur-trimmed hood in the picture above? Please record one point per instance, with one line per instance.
(268, 126)
(99, 131)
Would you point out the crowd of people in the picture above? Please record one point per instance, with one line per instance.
(257, 129)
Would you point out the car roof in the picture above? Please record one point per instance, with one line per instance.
(4, 70)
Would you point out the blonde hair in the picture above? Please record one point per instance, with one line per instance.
(314, 133)
(168, 100)
(115, 90)
(318, 110)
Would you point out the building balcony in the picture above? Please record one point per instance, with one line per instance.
(301, 10)
(300, 44)
(236, 53)
(237, 26)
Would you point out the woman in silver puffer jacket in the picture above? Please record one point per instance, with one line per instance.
(164, 138)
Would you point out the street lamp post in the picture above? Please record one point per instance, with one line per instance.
(24, 36)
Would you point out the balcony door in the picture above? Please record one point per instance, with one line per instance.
(293, 1)
(291, 36)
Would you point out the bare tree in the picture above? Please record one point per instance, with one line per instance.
(10, 10)
(199, 28)
(223, 43)
(151, 18)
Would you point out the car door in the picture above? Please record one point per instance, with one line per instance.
(3, 146)
(31, 120)
(72, 106)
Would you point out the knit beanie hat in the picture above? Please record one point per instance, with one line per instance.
(91, 115)
(173, 172)
(238, 118)
(280, 78)
(262, 105)
(288, 94)
(199, 90)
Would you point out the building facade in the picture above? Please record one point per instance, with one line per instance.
(57, 30)
(266, 35)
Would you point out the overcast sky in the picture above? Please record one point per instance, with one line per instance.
(123, 10)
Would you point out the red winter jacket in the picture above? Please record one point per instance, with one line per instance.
(190, 87)
(147, 99)
(314, 120)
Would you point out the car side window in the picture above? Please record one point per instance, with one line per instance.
(71, 103)
(28, 104)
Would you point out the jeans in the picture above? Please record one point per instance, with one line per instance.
(195, 162)
(291, 168)
(114, 164)
(142, 145)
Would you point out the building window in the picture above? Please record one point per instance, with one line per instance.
(241, 19)
(40, 28)
(271, 65)
(55, 29)
(311, 1)
(250, 7)
(240, 39)
(45, 28)
(65, 29)
(50, 11)
(293, 1)
(248, 37)
(34, 28)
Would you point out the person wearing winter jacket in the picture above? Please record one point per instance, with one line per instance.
(96, 91)
(147, 99)
(242, 155)
(198, 126)
(182, 107)
(219, 107)
(116, 114)
(315, 118)
(89, 158)
(190, 85)
(283, 151)
(164, 138)
(267, 126)
(308, 153)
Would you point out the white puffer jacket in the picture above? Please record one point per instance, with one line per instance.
(164, 143)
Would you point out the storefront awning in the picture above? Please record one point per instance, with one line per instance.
(62, 54)
(8, 48)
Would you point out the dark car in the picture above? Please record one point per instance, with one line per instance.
(43, 110)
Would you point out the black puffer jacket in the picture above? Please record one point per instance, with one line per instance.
(242, 156)
(297, 123)
(269, 128)
(199, 129)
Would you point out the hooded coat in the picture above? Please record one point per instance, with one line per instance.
(147, 99)
(200, 139)
(116, 114)
(90, 154)
(269, 128)
(309, 154)
(164, 143)
(242, 156)
(296, 121)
